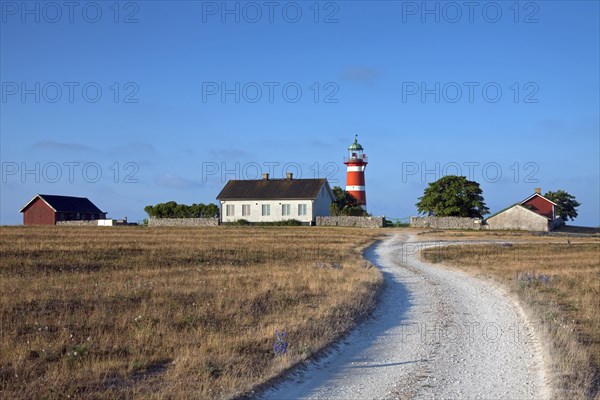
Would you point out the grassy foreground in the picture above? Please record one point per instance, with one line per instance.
(558, 280)
(171, 312)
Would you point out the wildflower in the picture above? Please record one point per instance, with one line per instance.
(281, 344)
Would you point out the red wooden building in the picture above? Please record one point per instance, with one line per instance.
(540, 205)
(46, 209)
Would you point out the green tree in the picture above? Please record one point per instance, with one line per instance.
(211, 210)
(166, 210)
(149, 210)
(453, 196)
(181, 211)
(566, 205)
(173, 210)
(345, 203)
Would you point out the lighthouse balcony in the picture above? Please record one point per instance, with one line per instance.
(356, 159)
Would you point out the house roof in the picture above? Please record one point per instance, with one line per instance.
(273, 189)
(66, 204)
(501, 211)
(521, 204)
(355, 146)
(517, 205)
(537, 194)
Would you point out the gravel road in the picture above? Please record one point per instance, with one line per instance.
(436, 333)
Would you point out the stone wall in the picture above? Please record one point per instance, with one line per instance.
(362, 222)
(183, 221)
(446, 223)
(77, 223)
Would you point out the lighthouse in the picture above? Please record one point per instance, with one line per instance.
(356, 162)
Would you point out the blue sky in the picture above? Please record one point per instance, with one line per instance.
(154, 101)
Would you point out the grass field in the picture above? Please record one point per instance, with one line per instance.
(558, 282)
(171, 312)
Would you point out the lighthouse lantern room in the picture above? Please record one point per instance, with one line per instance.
(356, 162)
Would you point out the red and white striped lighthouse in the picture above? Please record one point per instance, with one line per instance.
(355, 177)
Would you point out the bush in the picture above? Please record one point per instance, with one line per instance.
(345, 204)
(173, 210)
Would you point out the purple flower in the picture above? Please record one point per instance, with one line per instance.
(281, 344)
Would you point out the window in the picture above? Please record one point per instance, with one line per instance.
(301, 209)
(245, 210)
(285, 209)
(266, 209)
(230, 210)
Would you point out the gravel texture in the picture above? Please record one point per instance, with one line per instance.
(435, 334)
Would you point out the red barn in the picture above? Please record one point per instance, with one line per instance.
(535, 213)
(46, 209)
(540, 205)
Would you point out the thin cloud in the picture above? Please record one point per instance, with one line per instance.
(361, 74)
(552, 124)
(54, 145)
(228, 153)
(321, 144)
(175, 182)
(135, 147)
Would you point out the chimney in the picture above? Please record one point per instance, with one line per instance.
(289, 175)
(538, 190)
(265, 176)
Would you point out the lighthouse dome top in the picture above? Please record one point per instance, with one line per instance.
(355, 146)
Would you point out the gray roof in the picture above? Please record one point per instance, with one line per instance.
(273, 189)
(521, 204)
(501, 211)
(516, 205)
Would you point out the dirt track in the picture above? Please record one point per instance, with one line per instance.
(436, 333)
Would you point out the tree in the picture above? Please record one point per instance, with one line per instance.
(345, 203)
(173, 210)
(453, 196)
(566, 205)
(210, 210)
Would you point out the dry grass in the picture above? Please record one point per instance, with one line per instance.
(558, 282)
(167, 312)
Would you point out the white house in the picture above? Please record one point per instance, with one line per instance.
(272, 200)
